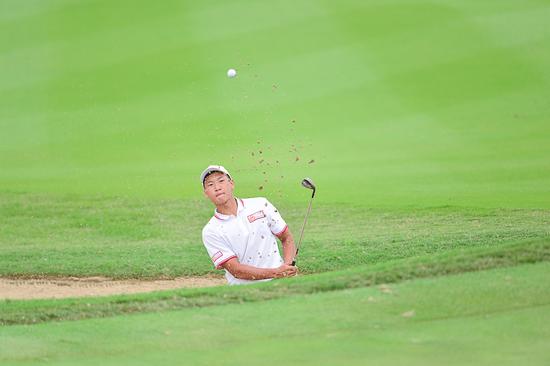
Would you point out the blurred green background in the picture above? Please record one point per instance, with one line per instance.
(398, 104)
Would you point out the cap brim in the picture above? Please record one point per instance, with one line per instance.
(207, 172)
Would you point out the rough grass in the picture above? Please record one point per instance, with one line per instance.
(45, 235)
(452, 262)
(498, 316)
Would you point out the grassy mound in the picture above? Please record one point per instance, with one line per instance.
(454, 262)
(486, 317)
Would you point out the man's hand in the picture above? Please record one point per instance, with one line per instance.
(245, 272)
(285, 271)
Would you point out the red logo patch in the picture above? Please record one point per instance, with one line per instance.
(256, 216)
(217, 256)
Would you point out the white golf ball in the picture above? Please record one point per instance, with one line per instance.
(231, 73)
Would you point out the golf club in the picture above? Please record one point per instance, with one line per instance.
(307, 183)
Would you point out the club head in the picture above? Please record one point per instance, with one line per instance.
(308, 183)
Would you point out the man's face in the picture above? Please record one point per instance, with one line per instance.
(219, 188)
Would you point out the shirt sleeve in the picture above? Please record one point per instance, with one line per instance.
(274, 219)
(217, 248)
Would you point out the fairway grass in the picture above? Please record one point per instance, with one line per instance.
(395, 104)
(499, 316)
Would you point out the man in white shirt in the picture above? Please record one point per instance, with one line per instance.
(242, 235)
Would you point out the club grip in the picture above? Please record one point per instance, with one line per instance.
(295, 255)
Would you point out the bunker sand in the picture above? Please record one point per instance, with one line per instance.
(57, 288)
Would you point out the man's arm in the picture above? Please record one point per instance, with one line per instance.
(246, 272)
(289, 248)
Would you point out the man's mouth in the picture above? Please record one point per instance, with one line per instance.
(220, 194)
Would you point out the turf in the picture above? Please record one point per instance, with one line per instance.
(401, 103)
(451, 262)
(499, 316)
(45, 235)
(424, 125)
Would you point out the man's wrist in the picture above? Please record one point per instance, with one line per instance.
(272, 273)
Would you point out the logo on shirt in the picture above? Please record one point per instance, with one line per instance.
(256, 216)
(217, 256)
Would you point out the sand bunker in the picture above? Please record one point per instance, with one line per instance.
(23, 289)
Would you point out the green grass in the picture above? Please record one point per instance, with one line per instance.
(400, 104)
(424, 124)
(44, 235)
(451, 262)
(498, 316)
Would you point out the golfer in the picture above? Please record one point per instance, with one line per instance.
(242, 235)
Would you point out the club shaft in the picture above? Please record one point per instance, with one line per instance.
(303, 228)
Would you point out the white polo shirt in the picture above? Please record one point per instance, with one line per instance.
(251, 236)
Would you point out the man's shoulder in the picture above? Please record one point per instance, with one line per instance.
(254, 201)
(211, 226)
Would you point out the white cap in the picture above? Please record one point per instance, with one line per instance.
(212, 169)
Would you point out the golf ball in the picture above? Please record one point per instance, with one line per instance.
(231, 73)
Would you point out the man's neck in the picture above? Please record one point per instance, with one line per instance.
(228, 208)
